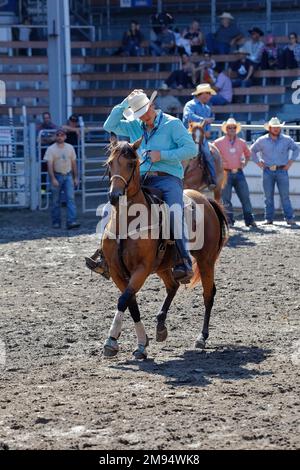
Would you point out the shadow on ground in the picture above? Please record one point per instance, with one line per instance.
(198, 368)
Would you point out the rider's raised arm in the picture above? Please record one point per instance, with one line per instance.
(184, 146)
(119, 125)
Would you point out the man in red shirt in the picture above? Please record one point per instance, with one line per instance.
(235, 154)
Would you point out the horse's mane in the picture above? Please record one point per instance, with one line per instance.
(122, 147)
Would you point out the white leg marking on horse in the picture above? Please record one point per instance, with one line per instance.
(141, 333)
(116, 326)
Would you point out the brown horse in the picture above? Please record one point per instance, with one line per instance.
(131, 260)
(194, 175)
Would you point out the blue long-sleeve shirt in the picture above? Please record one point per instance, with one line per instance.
(274, 152)
(196, 112)
(170, 138)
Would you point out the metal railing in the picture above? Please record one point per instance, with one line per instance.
(24, 179)
(14, 167)
(44, 29)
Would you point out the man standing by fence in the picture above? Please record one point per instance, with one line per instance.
(235, 154)
(271, 153)
(62, 169)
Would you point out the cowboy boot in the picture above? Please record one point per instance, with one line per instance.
(183, 272)
(98, 264)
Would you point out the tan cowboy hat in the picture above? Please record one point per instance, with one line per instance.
(231, 122)
(274, 122)
(203, 88)
(226, 15)
(138, 104)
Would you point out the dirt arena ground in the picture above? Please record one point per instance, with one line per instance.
(58, 392)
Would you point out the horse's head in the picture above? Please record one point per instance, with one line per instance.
(123, 164)
(197, 131)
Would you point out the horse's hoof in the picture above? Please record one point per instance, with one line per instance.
(200, 343)
(111, 348)
(161, 333)
(140, 353)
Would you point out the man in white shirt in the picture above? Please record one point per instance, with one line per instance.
(62, 169)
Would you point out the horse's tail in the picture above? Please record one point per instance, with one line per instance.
(224, 232)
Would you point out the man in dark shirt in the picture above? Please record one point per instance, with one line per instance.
(72, 131)
(47, 138)
(226, 36)
(243, 70)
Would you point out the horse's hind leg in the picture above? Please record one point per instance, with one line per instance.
(209, 292)
(172, 287)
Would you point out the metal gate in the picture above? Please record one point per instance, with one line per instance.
(14, 167)
(94, 182)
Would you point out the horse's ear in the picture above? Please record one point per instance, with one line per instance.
(113, 139)
(191, 125)
(136, 144)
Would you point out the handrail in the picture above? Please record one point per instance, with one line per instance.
(45, 26)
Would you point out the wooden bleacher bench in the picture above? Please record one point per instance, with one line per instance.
(227, 109)
(121, 76)
(185, 92)
(279, 73)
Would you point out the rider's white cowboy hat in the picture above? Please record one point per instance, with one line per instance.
(138, 104)
(203, 88)
(231, 122)
(226, 15)
(274, 122)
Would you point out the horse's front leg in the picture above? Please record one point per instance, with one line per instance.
(128, 300)
(111, 346)
(136, 281)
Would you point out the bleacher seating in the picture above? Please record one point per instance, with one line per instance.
(100, 81)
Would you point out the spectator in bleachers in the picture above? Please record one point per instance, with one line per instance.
(235, 154)
(269, 59)
(196, 38)
(166, 101)
(158, 20)
(205, 70)
(185, 76)
(226, 37)
(243, 70)
(164, 44)
(289, 57)
(183, 45)
(132, 41)
(223, 87)
(253, 47)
